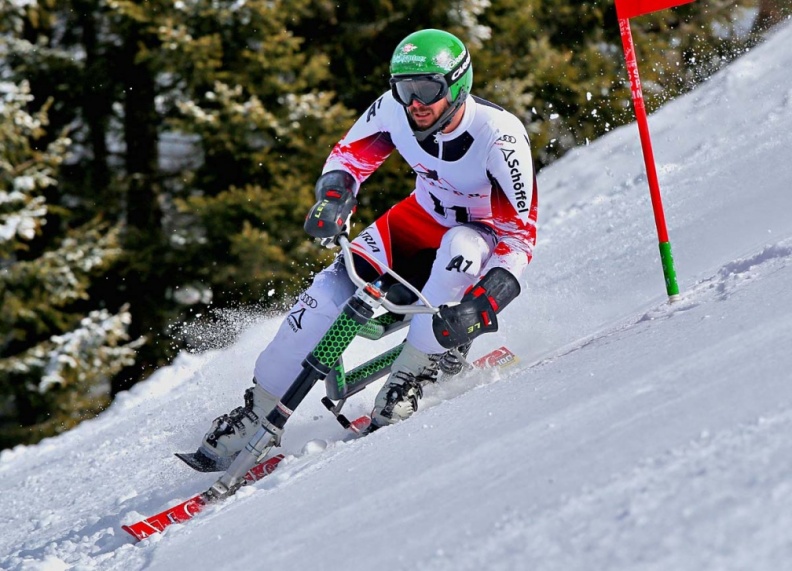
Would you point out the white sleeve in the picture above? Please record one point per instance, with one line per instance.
(366, 145)
(514, 196)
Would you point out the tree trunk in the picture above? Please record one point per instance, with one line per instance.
(143, 238)
(96, 101)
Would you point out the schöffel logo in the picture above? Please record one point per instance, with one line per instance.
(516, 177)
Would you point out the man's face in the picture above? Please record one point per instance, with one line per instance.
(424, 116)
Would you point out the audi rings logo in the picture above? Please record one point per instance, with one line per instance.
(308, 300)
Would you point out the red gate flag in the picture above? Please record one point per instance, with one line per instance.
(633, 8)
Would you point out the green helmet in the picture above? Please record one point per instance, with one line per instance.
(429, 65)
(435, 52)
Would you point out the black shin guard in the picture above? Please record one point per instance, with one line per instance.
(477, 312)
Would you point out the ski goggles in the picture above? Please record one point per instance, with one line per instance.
(426, 88)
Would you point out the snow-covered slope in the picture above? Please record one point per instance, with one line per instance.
(633, 435)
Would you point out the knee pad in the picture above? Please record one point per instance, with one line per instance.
(465, 249)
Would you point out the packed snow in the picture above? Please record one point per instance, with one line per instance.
(633, 434)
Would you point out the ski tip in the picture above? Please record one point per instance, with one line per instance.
(129, 530)
(186, 510)
(157, 523)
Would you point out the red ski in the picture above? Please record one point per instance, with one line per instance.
(500, 357)
(187, 509)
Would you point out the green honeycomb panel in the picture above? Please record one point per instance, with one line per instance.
(336, 340)
(371, 367)
(387, 318)
(375, 328)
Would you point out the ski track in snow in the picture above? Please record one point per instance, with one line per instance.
(719, 287)
(741, 472)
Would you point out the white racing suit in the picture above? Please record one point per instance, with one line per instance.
(473, 208)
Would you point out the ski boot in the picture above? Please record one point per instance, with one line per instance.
(229, 433)
(398, 397)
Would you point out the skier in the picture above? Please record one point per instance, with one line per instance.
(465, 234)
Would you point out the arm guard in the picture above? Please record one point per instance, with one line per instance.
(335, 196)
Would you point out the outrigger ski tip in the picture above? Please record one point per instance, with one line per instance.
(499, 358)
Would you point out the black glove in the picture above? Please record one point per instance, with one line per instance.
(458, 324)
(335, 195)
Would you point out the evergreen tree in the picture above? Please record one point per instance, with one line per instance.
(242, 84)
(55, 361)
(88, 56)
(224, 221)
